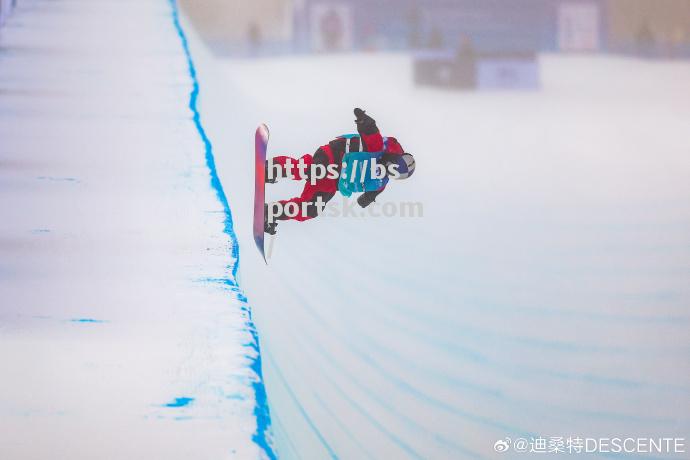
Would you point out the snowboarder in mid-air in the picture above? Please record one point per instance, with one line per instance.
(330, 157)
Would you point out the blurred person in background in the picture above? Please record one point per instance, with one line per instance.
(414, 24)
(679, 40)
(332, 30)
(646, 40)
(436, 39)
(254, 38)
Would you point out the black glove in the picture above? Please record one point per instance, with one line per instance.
(365, 124)
(365, 199)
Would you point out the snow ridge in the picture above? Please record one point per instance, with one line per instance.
(261, 410)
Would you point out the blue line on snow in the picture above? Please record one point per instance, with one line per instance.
(261, 411)
(305, 415)
(179, 402)
(87, 320)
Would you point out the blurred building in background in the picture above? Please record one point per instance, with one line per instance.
(413, 24)
(239, 27)
(650, 28)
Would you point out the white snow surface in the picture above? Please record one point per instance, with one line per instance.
(544, 292)
(111, 238)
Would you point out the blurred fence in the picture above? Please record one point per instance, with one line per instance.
(518, 25)
(648, 28)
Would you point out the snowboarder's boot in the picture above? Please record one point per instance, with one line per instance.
(269, 227)
(268, 179)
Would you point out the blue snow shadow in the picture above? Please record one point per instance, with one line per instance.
(87, 320)
(58, 179)
(179, 402)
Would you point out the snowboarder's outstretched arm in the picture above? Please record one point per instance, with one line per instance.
(368, 131)
(373, 142)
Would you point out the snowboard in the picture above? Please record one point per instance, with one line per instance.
(356, 176)
(260, 147)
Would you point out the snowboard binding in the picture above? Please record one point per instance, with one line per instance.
(269, 227)
(268, 179)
